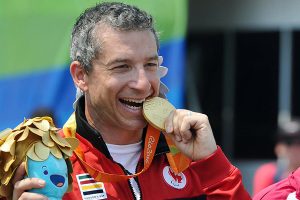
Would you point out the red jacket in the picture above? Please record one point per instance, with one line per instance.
(266, 175)
(288, 188)
(214, 176)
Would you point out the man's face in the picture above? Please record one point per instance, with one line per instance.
(122, 77)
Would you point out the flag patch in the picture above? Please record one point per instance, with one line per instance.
(177, 181)
(89, 188)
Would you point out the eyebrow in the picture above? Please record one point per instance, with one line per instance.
(153, 58)
(118, 60)
(121, 60)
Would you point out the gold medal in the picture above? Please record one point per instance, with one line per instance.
(156, 110)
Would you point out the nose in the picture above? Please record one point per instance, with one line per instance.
(141, 80)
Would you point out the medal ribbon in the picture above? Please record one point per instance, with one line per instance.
(177, 160)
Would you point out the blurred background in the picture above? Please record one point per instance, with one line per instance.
(235, 61)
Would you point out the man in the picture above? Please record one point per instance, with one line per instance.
(115, 63)
(288, 188)
(287, 150)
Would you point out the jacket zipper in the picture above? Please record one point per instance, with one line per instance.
(136, 178)
(137, 181)
(130, 186)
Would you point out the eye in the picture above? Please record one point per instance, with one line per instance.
(45, 171)
(151, 66)
(124, 66)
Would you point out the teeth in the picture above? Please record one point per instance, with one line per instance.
(133, 107)
(133, 103)
(134, 100)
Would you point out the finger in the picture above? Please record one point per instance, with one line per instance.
(185, 127)
(169, 127)
(19, 174)
(169, 123)
(35, 196)
(186, 135)
(177, 118)
(27, 184)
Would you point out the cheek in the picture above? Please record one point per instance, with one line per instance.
(100, 84)
(155, 82)
(155, 87)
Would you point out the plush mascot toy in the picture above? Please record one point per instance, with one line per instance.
(45, 153)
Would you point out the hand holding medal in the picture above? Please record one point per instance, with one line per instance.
(189, 131)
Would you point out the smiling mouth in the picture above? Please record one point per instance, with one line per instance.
(133, 103)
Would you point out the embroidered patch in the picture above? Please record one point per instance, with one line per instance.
(177, 181)
(90, 190)
(292, 196)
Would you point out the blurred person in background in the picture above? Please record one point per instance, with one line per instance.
(287, 151)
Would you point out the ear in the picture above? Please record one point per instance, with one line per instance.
(79, 75)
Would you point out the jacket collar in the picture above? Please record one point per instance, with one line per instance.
(94, 137)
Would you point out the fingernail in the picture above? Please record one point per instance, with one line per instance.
(41, 182)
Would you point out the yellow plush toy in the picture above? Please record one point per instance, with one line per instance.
(36, 142)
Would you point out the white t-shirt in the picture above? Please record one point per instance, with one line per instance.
(292, 196)
(128, 156)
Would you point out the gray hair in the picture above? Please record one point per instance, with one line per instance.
(123, 17)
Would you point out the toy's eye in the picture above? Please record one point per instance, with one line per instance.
(45, 170)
